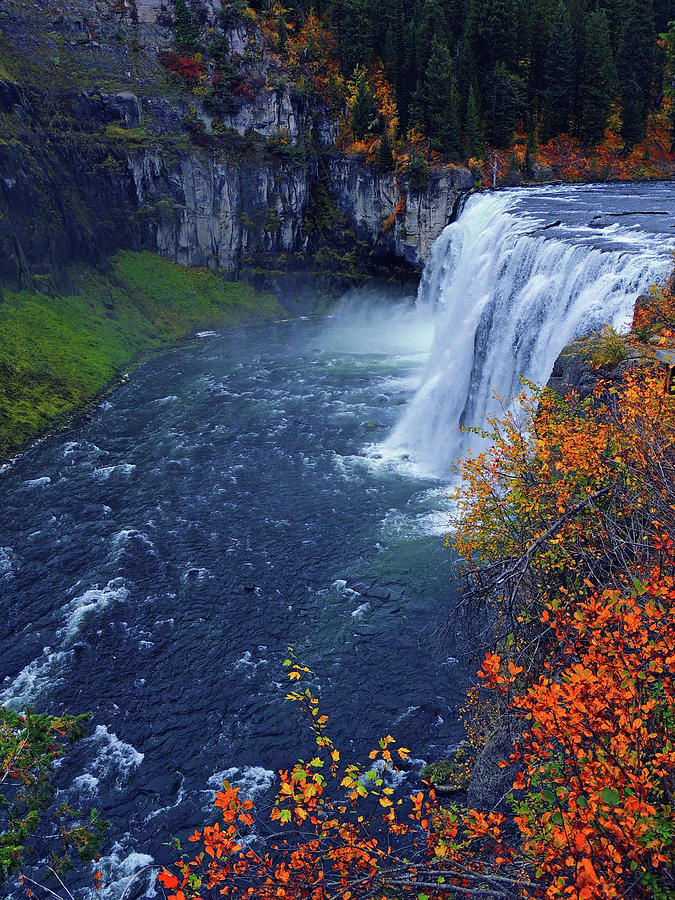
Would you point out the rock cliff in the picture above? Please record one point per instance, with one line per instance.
(99, 150)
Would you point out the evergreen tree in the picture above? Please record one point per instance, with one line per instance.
(407, 83)
(637, 68)
(493, 31)
(579, 13)
(466, 76)
(474, 137)
(353, 25)
(441, 105)
(598, 83)
(558, 76)
(186, 30)
(417, 171)
(385, 156)
(507, 100)
(538, 40)
(364, 113)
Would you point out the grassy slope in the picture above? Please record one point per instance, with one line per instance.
(56, 353)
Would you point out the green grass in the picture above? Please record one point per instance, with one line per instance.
(58, 352)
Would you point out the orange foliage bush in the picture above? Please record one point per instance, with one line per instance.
(567, 158)
(598, 759)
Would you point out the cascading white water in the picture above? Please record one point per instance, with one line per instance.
(507, 297)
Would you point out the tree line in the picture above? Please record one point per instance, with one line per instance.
(467, 72)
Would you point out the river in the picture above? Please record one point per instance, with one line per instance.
(287, 484)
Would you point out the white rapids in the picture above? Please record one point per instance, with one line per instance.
(506, 296)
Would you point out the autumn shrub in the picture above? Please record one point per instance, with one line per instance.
(186, 68)
(339, 832)
(655, 312)
(564, 494)
(597, 762)
(606, 349)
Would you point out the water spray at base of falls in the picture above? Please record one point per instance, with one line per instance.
(506, 298)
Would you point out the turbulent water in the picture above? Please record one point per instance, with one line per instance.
(156, 562)
(284, 484)
(517, 277)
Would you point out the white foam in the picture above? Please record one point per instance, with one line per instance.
(92, 602)
(39, 482)
(86, 784)
(252, 780)
(8, 562)
(113, 756)
(45, 671)
(120, 866)
(103, 473)
(361, 611)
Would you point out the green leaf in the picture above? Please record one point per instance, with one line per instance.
(549, 796)
(556, 818)
(285, 815)
(582, 802)
(611, 796)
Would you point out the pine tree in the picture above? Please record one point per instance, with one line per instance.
(493, 31)
(538, 42)
(637, 68)
(507, 101)
(186, 30)
(441, 104)
(353, 26)
(385, 156)
(364, 113)
(531, 150)
(558, 75)
(598, 82)
(474, 137)
(466, 76)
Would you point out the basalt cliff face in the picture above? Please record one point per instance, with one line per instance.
(101, 150)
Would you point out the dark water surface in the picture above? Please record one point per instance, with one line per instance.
(156, 561)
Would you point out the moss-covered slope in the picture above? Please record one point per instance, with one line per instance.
(57, 352)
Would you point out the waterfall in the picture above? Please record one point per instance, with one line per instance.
(506, 297)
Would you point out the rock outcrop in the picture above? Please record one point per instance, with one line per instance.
(386, 212)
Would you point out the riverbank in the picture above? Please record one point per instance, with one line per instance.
(59, 349)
